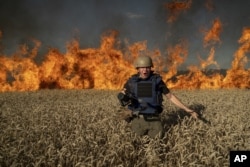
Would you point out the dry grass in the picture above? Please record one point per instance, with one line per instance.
(80, 128)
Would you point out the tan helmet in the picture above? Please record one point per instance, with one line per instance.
(143, 61)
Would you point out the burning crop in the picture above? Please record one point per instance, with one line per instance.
(108, 67)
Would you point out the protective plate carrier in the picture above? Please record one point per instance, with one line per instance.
(147, 93)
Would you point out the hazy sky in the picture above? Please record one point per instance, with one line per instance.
(55, 22)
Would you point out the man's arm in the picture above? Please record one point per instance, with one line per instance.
(179, 104)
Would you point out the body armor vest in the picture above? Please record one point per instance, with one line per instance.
(147, 93)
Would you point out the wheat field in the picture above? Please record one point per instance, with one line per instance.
(81, 128)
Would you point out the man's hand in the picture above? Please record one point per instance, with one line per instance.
(193, 114)
(125, 114)
(123, 91)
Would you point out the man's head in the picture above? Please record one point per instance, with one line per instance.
(144, 64)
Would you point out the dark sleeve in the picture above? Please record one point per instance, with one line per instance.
(163, 87)
(126, 86)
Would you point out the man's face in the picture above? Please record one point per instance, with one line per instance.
(144, 72)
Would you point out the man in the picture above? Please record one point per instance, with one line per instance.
(142, 94)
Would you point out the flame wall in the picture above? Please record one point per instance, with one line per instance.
(107, 67)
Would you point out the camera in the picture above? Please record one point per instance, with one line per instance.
(123, 98)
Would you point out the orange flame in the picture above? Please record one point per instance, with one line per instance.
(238, 76)
(109, 66)
(175, 8)
(213, 35)
(210, 60)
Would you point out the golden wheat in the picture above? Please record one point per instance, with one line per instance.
(80, 128)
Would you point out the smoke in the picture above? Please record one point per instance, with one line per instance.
(56, 22)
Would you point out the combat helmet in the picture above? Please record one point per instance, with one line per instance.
(143, 61)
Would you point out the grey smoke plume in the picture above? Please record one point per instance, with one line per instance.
(55, 22)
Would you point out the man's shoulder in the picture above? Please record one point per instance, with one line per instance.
(156, 75)
(134, 76)
(153, 75)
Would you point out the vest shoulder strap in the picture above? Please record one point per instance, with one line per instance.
(156, 77)
(134, 77)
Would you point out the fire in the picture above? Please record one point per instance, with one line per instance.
(199, 77)
(19, 72)
(238, 76)
(102, 68)
(175, 8)
(213, 35)
(109, 66)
